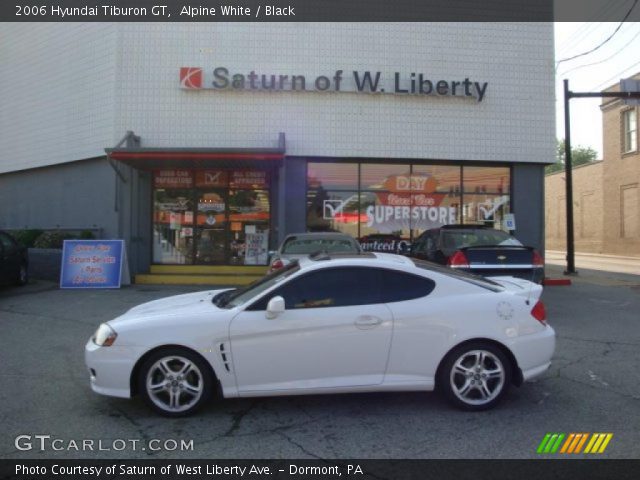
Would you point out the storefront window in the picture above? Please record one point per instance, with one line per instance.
(173, 226)
(393, 203)
(211, 217)
(332, 176)
(333, 211)
(486, 195)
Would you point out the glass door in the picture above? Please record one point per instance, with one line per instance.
(172, 226)
(211, 243)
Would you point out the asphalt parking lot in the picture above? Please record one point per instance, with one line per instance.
(593, 386)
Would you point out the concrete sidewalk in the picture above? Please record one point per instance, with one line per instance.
(609, 270)
(594, 261)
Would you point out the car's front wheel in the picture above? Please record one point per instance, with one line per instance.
(475, 376)
(175, 382)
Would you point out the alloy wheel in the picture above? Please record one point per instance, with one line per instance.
(477, 377)
(174, 384)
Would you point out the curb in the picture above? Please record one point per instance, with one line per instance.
(556, 282)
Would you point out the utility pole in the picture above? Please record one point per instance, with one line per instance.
(568, 95)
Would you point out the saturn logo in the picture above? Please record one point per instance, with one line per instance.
(191, 77)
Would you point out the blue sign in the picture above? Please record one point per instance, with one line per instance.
(92, 263)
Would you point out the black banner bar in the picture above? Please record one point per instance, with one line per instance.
(547, 469)
(317, 11)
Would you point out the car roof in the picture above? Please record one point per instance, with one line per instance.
(466, 227)
(318, 235)
(372, 258)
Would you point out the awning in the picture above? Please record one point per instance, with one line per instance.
(162, 158)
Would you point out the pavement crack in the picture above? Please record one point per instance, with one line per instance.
(237, 418)
(300, 446)
(599, 387)
(139, 428)
(604, 342)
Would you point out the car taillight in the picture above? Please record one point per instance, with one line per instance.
(277, 264)
(538, 261)
(457, 260)
(538, 312)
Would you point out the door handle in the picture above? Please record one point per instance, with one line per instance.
(367, 321)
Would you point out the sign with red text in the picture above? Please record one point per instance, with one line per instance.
(92, 263)
(172, 178)
(249, 179)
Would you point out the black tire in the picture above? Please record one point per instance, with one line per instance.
(170, 384)
(22, 278)
(473, 382)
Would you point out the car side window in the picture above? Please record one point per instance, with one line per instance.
(400, 286)
(330, 287)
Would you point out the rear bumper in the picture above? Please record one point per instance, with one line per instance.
(534, 352)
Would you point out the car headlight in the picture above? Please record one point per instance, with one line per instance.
(104, 336)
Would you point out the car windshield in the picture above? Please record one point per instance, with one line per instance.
(460, 275)
(305, 246)
(233, 298)
(456, 239)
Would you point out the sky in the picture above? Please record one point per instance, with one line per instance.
(618, 58)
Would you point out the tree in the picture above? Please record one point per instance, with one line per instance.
(579, 156)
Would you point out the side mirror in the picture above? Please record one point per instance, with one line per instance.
(275, 307)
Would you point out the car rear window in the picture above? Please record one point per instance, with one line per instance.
(456, 239)
(305, 246)
(460, 275)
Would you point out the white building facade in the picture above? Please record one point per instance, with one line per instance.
(245, 132)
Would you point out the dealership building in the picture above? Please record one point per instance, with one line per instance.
(203, 144)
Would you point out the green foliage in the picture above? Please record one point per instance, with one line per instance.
(52, 239)
(86, 235)
(26, 237)
(579, 156)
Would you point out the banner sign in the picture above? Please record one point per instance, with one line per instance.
(92, 263)
(256, 248)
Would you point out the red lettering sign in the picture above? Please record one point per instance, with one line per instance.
(172, 179)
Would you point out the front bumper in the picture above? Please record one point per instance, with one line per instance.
(110, 368)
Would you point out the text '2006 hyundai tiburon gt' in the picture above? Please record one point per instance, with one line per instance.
(329, 324)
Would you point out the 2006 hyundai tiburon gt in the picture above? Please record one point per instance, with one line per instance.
(345, 323)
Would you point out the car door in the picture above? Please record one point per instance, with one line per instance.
(334, 333)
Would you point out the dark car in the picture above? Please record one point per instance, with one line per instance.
(14, 261)
(478, 249)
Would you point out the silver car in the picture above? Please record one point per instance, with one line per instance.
(299, 245)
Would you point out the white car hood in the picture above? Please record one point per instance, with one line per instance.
(186, 304)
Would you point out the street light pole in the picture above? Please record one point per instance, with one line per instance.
(568, 170)
(568, 95)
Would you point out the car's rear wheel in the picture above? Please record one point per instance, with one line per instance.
(475, 376)
(175, 382)
(23, 275)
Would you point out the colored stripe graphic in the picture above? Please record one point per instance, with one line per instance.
(552, 442)
(598, 442)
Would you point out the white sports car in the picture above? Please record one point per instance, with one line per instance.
(349, 323)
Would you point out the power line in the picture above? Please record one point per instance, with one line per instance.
(617, 75)
(612, 9)
(605, 60)
(605, 41)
